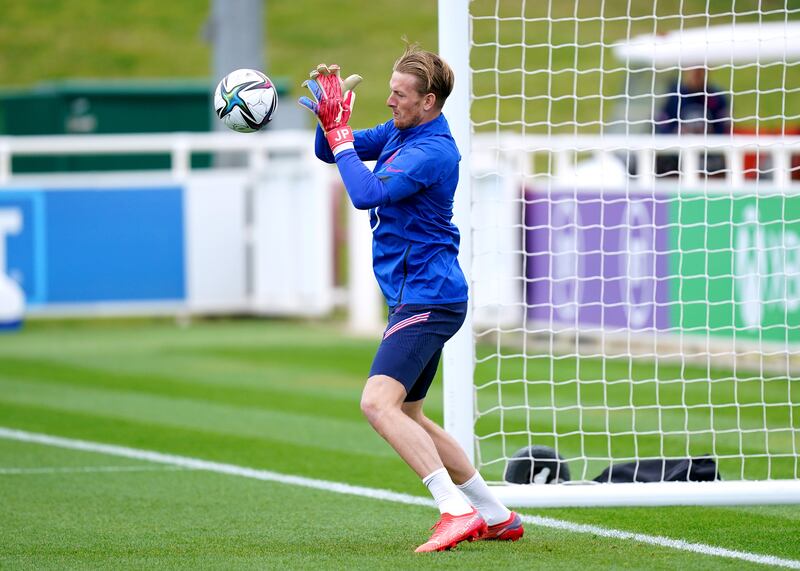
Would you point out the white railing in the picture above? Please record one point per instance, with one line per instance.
(179, 146)
(274, 159)
(774, 150)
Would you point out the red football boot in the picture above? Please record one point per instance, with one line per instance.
(509, 530)
(451, 530)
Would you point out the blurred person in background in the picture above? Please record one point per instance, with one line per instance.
(694, 107)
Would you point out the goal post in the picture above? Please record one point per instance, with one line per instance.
(458, 355)
(634, 266)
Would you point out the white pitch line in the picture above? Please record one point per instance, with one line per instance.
(378, 494)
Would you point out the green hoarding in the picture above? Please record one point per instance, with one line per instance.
(737, 263)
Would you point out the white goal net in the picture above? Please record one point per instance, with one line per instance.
(635, 266)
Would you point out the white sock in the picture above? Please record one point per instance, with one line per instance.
(445, 493)
(480, 496)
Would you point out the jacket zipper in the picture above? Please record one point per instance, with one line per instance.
(405, 274)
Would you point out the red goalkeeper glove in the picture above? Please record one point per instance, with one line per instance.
(332, 104)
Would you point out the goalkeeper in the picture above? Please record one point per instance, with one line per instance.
(409, 196)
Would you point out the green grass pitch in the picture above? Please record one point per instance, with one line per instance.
(270, 395)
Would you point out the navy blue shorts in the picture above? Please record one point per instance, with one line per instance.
(412, 344)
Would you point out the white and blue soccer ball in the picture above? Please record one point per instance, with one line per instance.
(245, 100)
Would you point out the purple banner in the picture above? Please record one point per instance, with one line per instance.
(597, 259)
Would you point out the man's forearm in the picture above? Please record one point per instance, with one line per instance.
(365, 189)
(321, 147)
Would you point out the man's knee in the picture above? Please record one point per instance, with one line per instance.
(372, 405)
(381, 394)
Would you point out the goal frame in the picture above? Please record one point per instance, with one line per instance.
(454, 34)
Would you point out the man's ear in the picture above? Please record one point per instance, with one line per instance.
(428, 101)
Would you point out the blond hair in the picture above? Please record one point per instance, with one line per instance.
(432, 72)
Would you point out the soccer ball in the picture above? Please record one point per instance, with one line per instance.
(245, 100)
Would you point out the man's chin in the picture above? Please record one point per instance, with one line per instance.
(403, 125)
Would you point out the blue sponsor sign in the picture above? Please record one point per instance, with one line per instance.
(97, 245)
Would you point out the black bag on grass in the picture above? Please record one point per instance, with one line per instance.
(702, 469)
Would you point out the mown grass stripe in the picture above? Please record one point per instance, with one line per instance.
(660, 541)
(86, 470)
(298, 428)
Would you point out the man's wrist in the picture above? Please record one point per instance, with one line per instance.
(340, 138)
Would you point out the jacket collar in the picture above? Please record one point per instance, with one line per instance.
(435, 127)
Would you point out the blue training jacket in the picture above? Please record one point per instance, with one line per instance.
(410, 198)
